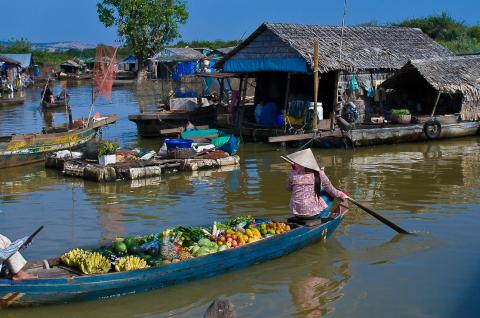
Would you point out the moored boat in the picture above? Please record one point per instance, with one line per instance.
(12, 101)
(166, 123)
(63, 284)
(17, 150)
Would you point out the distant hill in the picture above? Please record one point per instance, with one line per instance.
(55, 46)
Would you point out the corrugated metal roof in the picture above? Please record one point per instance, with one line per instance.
(173, 54)
(8, 60)
(25, 59)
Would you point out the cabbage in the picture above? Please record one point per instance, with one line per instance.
(204, 242)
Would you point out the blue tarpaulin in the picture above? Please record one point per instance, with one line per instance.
(24, 59)
(266, 64)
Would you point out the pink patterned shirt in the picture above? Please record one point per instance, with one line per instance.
(304, 200)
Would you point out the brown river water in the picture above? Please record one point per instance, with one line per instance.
(363, 270)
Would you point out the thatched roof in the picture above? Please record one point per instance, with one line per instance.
(450, 74)
(455, 74)
(363, 47)
(72, 63)
(178, 54)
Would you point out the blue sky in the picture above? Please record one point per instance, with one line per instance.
(76, 20)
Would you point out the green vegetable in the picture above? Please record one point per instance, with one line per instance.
(204, 242)
(239, 219)
(120, 247)
(107, 148)
(399, 112)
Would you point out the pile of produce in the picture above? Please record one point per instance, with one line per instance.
(172, 246)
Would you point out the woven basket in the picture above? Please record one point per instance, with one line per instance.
(180, 153)
(401, 119)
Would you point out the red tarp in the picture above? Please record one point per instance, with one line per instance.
(104, 72)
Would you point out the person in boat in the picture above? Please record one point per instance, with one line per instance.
(15, 263)
(312, 191)
(48, 95)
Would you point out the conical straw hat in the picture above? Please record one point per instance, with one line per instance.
(304, 158)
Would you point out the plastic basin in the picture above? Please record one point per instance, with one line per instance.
(178, 143)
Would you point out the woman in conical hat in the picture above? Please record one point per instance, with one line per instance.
(312, 191)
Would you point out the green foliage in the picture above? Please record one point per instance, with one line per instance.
(146, 26)
(439, 27)
(106, 147)
(217, 44)
(20, 45)
(452, 34)
(399, 112)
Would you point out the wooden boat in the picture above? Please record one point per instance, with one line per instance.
(393, 134)
(58, 103)
(12, 101)
(447, 126)
(152, 124)
(17, 150)
(62, 284)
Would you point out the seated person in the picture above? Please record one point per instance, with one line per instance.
(48, 96)
(15, 263)
(312, 192)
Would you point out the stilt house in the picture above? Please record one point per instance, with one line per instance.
(353, 62)
(439, 86)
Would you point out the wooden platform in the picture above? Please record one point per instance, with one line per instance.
(133, 169)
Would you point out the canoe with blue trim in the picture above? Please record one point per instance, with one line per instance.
(62, 284)
(17, 150)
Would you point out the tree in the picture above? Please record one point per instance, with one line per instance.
(145, 26)
(20, 45)
(440, 27)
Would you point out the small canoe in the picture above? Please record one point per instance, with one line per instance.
(4, 101)
(17, 150)
(63, 284)
(58, 103)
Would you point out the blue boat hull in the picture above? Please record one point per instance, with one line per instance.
(55, 290)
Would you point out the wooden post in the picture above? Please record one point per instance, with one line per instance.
(222, 88)
(436, 103)
(243, 96)
(315, 84)
(336, 102)
(285, 104)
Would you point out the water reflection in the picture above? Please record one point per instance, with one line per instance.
(430, 188)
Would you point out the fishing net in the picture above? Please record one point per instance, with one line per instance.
(104, 72)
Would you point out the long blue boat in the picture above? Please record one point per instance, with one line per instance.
(63, 284)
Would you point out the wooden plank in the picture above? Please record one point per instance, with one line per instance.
(177, 130)
(291, 137)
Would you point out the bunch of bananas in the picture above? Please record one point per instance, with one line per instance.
(73, 257)
(130, 263)
(94, 263)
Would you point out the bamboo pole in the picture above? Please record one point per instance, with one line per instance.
(436, 103)
(315, 85)
(44, 89)
(285, 104)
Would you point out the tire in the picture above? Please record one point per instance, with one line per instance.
(432, 129)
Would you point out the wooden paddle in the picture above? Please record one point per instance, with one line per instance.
(379, 217)
(369, 211)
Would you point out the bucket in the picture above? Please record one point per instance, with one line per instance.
(178, 143)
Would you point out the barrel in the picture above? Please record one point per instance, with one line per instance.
(36, 70)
